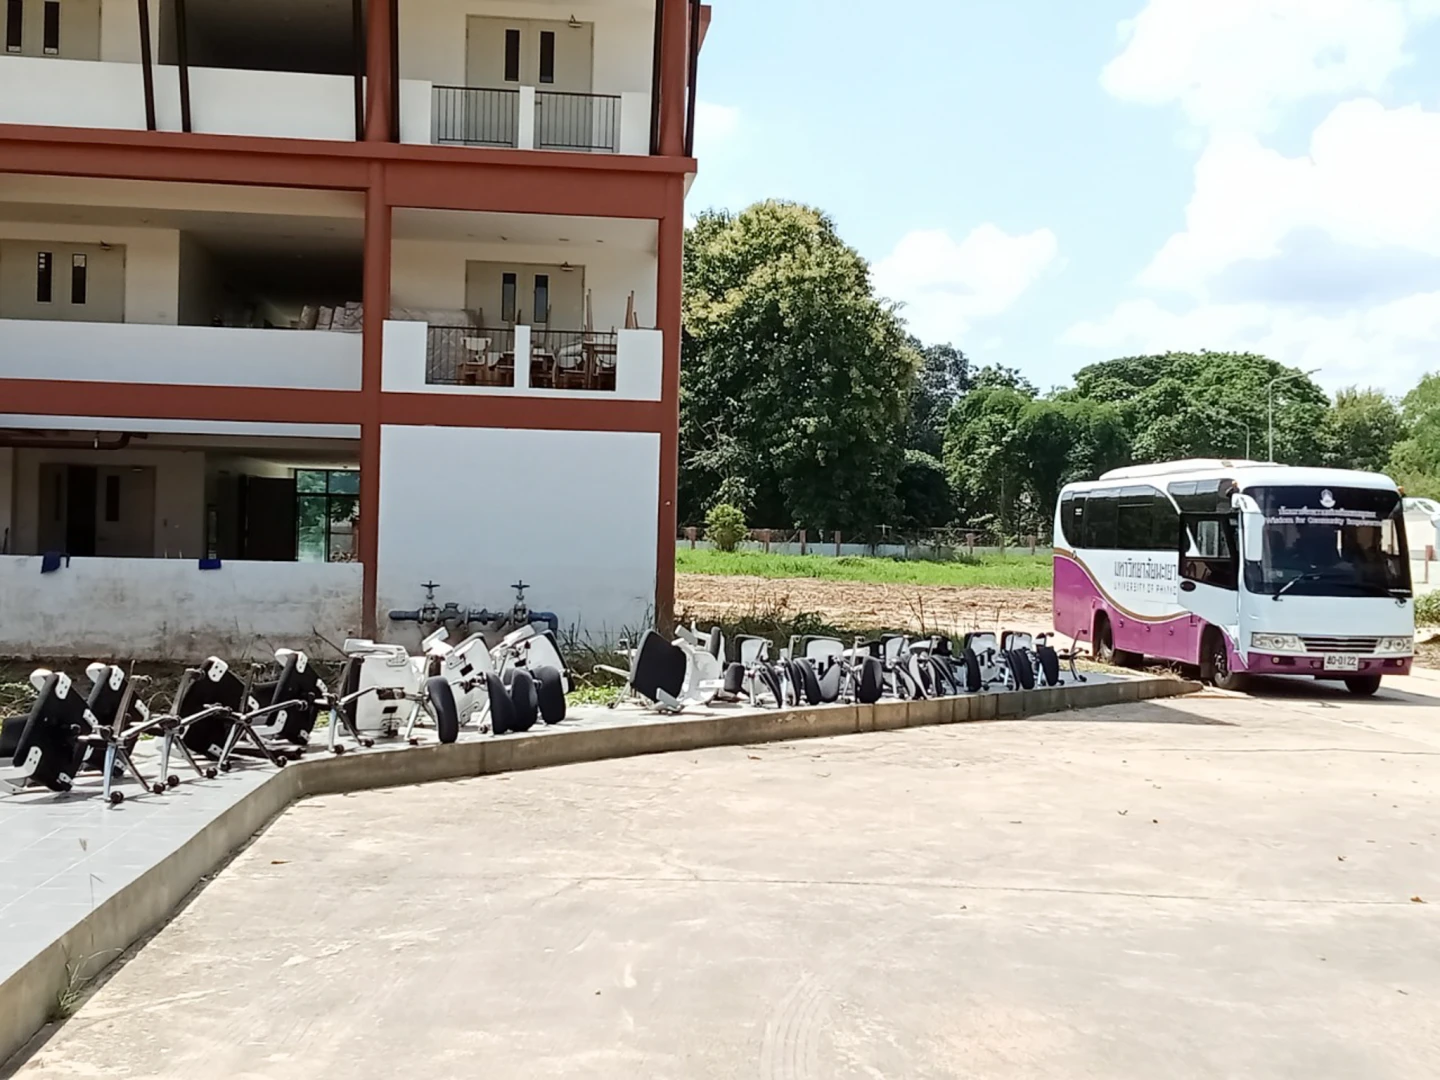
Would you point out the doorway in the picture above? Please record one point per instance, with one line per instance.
(98, 511)
(63, 282)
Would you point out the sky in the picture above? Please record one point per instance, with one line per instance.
(1051, 183)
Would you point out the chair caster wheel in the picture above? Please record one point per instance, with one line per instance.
(210, 774)
(116, 798)
(281, 761)
(414, 742)
(226, 767)
(367, 743)
(172, 781)
(158, 789)
(339, 750)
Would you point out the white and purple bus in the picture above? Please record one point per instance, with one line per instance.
(1240, 568)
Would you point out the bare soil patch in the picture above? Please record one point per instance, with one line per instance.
(863, 606)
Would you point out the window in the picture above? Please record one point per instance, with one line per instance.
(547, 56)
(44, 277)
(542, 298)
(326, 504)
(508, 285)
(52, 27)
(112, 497)
(1210, 552)
(77, 279)
(14, 24)
(1101, 513)
(512, 55)
(1146, 521)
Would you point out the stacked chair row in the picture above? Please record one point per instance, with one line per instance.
(217, 720)
(695, 670)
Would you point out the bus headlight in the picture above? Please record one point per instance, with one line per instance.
(1276, 643)
(1402, 645)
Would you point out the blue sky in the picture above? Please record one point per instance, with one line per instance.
(1049, 183)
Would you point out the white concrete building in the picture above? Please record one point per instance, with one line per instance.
(305, 304)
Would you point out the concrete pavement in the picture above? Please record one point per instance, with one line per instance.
(1211, 887)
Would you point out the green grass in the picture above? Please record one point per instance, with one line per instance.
(997, 571)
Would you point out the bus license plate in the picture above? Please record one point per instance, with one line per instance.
(1342, 663)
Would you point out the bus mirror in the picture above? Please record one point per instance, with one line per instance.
(1253, 534)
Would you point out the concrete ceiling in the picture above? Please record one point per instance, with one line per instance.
(538, 229)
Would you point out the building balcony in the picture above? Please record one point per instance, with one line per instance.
(183, 355)
(523, 361)
(525, 118)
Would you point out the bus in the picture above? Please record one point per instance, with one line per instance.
(1239, 568)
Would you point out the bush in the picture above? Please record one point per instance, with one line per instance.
(725, 527)
(1427, 609)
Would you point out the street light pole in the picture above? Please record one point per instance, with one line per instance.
(1235, 420)
(1270, 399)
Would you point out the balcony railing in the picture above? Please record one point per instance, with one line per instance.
(584, 122)
(475, 116)
(572, 359)
(470, 356)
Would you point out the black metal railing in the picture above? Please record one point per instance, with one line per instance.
(586, 122)
(474, 116)
(572, 359)
(470, 356)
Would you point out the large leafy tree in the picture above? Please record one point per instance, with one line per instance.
(1180, 405)
(796, 379)
(944, 376)
(1415, 459)
(1362, 429)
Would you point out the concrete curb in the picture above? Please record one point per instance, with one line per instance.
(29, 998)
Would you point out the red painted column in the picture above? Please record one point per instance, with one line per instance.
(667, 320)
(377, 309)
(379, 77)
(675, 48)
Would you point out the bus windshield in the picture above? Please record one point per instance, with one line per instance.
(1330, 542)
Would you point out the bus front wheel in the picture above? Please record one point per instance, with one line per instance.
(1216, 663)
(1105, 650)
(1363, 685)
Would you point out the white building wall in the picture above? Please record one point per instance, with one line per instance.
(152, 262)
(120, 31)
(179, 495)
(432, 38)
(428, 274)
(158, 609)
(573, 513)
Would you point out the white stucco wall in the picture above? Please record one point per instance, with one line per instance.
(189, 355)
(179, 495)
(430, 274)
(120, 31)
(153, 609)
(432, 38)
(152, 263)
(573, 513)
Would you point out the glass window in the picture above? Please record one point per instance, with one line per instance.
(44, 277)
(542, 297)
(1331, 542)
(14, 22)
(52, 27)
(512, 55)
(78, 282)
(1210, 552)
(112, 498)
(326, 505)
(547, 56)
(509, 284)
(1101, 514)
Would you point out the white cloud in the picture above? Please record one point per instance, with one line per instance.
(946, 286)
(714, 125)
(1388, 345)
(1370, 181)
(1236, 64)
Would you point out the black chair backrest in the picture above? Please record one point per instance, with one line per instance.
(57, 721)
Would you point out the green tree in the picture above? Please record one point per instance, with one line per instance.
(943, 377)
(1415, 459)
(796, 379)
(983, 458)
(1362, 429)
(925, 499)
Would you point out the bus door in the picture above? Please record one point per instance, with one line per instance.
(1210, 570)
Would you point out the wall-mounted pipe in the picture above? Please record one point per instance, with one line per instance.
(30, 442)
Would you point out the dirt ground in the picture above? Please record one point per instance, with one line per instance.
(854, 605)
